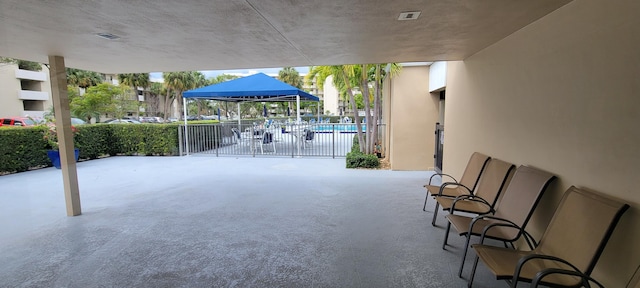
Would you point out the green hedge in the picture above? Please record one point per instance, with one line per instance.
(357, 159)
(24, 148)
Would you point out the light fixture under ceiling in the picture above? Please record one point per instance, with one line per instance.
(409, 15)
(108, 36)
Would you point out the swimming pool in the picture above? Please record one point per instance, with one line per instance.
(337, 127)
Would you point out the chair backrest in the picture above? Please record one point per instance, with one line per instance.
(580, 228)
(472, 173)
(309, 135)
(522, 195)
(493, 179)
(267, 137)
(236, 132)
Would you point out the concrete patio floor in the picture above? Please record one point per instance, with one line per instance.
(225, 222)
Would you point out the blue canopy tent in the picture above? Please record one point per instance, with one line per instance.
(258, 87)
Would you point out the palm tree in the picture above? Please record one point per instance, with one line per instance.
(153, 102)
(135, 80)
(348, 77)
(83, 78)
(219, 79)
(321, 73)
(178, 82)
(290, 76)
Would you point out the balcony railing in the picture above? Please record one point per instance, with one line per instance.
(33, 95)
(31, 75)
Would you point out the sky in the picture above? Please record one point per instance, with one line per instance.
(157, 76)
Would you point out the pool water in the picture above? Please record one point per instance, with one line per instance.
(345, 128)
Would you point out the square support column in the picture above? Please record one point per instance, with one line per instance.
(58, 79)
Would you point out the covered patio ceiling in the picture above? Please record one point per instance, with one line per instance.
(186, 35)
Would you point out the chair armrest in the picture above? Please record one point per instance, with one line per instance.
(531, 242)
(525, 259)
(444, 185)
(546, 272)
(440, 174)
(470, 198)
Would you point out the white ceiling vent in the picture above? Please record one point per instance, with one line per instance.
(411, 15)
(108, 36)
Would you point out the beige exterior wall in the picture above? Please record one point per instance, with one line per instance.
(562, 94)
(331, 97)
(410, 113)
(10, 104)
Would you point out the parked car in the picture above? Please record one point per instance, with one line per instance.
(149, 120)
(17, 121)
(77, 121)
(122, 121)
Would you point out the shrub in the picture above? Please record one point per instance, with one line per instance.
(361, 160)
(23, 148)
(357, 159)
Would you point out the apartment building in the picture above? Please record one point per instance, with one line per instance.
(24, 92)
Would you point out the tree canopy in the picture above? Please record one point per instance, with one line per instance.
(97, 100)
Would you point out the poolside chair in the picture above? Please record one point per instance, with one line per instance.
(584, 280)
(455, 188)
(308, 137)
(237, 135)
(513, 212)
(492, 181)
(573, 241)
(240, 138)
(266, 139)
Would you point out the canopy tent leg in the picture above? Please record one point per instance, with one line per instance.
(186, 131)
(298, 120)
(239, 122)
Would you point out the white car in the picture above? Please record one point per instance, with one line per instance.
(122, 121)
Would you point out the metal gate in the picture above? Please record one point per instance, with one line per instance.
(439, 138)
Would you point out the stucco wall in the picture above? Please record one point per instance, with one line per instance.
(411, 120)
(562, 94)
(10, 105)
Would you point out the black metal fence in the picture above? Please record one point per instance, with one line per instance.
(269, 139)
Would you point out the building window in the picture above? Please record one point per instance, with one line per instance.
(33, 105)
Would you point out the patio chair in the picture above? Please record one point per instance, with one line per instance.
(513, 212)
(455, 188)
(573, 241)
(265, 139)
(238, 136)
(584, 280)
(493, 179)
(308, 137)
